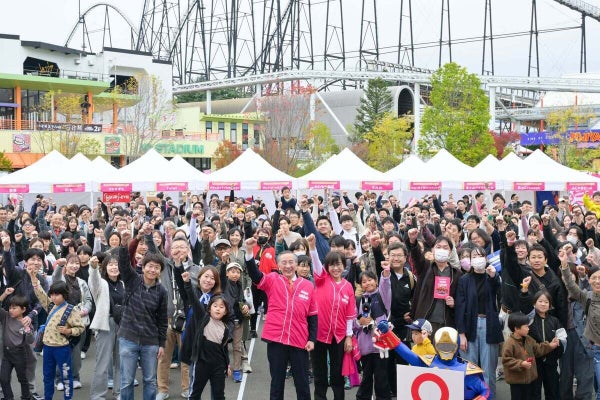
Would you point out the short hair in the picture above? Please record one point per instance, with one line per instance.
(325, 218)
(386, 220)
(526, 202)
(19, 301)
(345, 218)
(297, 243)
(34, 253)
(286, 252)
(498, 196)
(284, 218)
(349, 243)
(66, 235)
(284, 188)
(333, 257)
(538, 247)
(595, 194)
(180, 239)
(474, 218)
(396, 246)
(218, 297)
(385, 210)
(367, 274)
(45, 235)
(337, 241)
(153, 257)
(85, 249)
(59, 287)
(540, 293)
(28, 221)
(305, 260)
(517, 320)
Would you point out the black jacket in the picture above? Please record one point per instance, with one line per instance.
(543, 329)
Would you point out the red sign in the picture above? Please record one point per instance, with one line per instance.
(224, 185)
(14, 188)
(275, 185)
(479, 185)
(582, 186)
(529, 186)
(116, 187)
(68, 188)
(426, 186)
(372, 185)
(116, 197)
(171, 186)
(324, 184)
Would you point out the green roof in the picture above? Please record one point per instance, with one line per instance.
(46, 83)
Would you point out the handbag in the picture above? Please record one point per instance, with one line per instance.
(178, 317)
(39, 335)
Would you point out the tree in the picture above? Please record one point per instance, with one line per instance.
(503, 140)
(67, 143)
(376, 102)
(458, 117)
(226, 153)
(559, 122)
(389, 141)
(5, 163)
(320, 144)
(145, 121)
(221, 94)
(286, 128)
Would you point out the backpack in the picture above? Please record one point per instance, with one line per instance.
(73, 340)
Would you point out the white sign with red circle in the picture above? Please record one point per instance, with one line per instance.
(430, 383)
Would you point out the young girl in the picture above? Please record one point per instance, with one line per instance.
(543, 328)
(209, 352)
(372, 307)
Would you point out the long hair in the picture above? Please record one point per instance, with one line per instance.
(216, 290)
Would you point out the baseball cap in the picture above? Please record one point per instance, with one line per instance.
(233, 265)
(420, 325)
(222, 242)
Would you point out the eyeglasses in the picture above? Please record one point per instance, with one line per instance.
(397, 256)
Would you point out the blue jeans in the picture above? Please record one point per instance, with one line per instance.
(596, 349)
(129, 353)
(484, 355)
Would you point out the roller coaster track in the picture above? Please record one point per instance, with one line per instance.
(586, 9)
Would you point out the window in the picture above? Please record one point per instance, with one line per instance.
(256, 137)
(233, 132)
(200, 163)
(208, 127)
(244, 136)
(222, 130)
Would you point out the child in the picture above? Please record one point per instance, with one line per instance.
(420, 331)
(543, 328)
(372, 307)
(518, 356)
(57, 350)
(209, 350)
(304, 268)
(16, 338)
(234, 295)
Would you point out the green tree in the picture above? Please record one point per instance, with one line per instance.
(559, 123)
(389, 141)
(458, 117)
(320, 144)
(5, 163)
(376, 102)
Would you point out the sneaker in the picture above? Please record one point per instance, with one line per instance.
(253, 334)
(35, 396)
(136, 383)
(347, 383)
(499, 374)
(185, 394)
(110, 383)
(237, 375)
(288, 373)
(83, 355)
(76, 384)
(162, 396)
(60, 387)
(246, 367)
(174, 365)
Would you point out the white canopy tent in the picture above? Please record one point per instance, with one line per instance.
(249, 172)
(346, 171)
(39, 177)
(404, 170)
(442, 171)
(197, 179)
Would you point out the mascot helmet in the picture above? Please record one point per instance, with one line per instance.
(446, 343)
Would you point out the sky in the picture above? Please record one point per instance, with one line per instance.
(52, 21)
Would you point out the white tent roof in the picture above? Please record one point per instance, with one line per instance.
(405, 169)
(442, 171)
(556, 176)
(249, 172)
(39, 176)
(346, 171)
(197, 179)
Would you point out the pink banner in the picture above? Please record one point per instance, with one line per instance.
(479, 185)
(426, 186)
(324, 184)
(68, 188)
(224, 185)
(116, 187)
(14, 188)
(171, 186)
(529, 186)
(582, 186)
(275, 185)
(373, 185)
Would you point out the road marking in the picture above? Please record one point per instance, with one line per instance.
(245, 375)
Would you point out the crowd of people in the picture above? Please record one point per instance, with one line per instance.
(156, 283)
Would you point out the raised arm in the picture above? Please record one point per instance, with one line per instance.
(255, 274)
(125, 269)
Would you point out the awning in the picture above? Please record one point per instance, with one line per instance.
(22, 160)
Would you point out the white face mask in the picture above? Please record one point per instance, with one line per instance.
(573, 240)
(299, 253)
(441, 255)
(478, 263)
